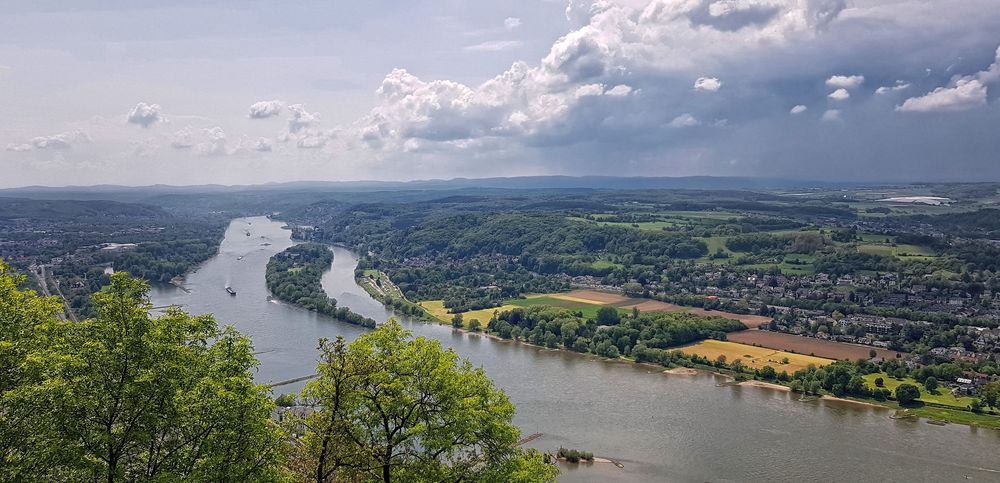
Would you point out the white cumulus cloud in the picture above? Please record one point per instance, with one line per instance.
(619, 90)
(966, 94)
(511, 23)
(184, 138)
(840, 95)
(684, 120)
(265, 109)
(262, 145)
(301, 119)
(831, 115)
(64, 140)
(845, 81)
(710, 84)
(798, 109)
(898, 86)
(211, 141)
(144, 114)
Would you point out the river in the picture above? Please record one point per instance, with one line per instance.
(662, 427)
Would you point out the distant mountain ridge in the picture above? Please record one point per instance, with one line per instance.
(65, 210)
(521, 182)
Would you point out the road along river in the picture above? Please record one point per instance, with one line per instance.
(661, 427)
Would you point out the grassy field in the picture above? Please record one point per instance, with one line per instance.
(666, 220)
(876, 238)
(437, 309)
(602, 264)
(374, 280)
(755, 357)
(695, 215)
(960, 417)
(898, 251)
(943, 397)
(717, 243)
(588, 309)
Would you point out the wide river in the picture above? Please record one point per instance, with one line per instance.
(661, 427)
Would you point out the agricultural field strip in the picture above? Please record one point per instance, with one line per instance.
(758, 356)
(807, 345)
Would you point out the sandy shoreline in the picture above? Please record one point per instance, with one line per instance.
(766, 385)
(682, 371)
(827, 397)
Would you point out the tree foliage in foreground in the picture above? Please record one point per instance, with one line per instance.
(126, 397)
(392, 408)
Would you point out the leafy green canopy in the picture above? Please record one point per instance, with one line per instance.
(392, 408)
(295, 275)
(125, 396)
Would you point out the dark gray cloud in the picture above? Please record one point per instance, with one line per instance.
(778, 57)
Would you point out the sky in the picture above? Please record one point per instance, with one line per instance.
(243, 92)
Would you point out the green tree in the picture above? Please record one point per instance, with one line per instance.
(931, 383)
(285, 400)
(990, 394)
(768, 372)
(608, 316)
(475, 326)
(632, 289)
(393, 408)
(130, 397)
(907, 394)
(456, 321)
(28, 324)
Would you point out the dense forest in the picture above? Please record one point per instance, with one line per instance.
(295, 275)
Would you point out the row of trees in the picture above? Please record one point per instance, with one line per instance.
(608, 334)
(128, 397)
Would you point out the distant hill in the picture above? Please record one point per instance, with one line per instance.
(74, 210)
(131, 193)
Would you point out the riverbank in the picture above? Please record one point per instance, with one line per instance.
(930, 413)
(766, 385)
(657, 424)
(682, 371)
(378, 285)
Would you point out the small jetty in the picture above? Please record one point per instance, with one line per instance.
(292, 381)
(165, 307)
(529, 438)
